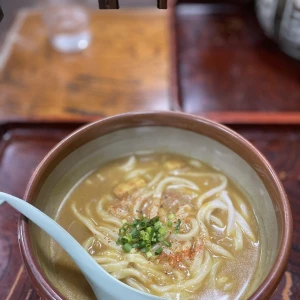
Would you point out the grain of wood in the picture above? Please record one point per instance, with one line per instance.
(15, 283)
(125, 68)
(286, 293)
(224, 67)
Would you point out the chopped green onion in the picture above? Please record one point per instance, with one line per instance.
(167, 244)
(171, 216)
(163, 230)
(127, 247)
(158, 251)
(149, 254)
(142, 234)
(135, 233)
(177, 226)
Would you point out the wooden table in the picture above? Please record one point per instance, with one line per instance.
(125, 68)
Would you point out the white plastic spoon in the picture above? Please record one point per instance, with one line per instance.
(105, 286)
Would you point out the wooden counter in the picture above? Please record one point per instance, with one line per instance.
(125, 68)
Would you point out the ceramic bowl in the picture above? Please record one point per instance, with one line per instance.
(185, 134)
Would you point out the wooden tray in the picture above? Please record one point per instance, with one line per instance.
(224, 68)
(23, 145)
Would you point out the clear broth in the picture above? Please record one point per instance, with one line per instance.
(233, 277)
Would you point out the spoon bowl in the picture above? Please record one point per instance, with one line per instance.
(103, 284)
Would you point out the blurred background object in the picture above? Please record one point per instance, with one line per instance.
(67, 23)
(124, 68)
(280, 20)
(11, 7)
(115, 4)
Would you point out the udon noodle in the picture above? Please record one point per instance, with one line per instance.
(215, 253)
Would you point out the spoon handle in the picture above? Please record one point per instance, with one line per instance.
(104, 285)
(84, 261)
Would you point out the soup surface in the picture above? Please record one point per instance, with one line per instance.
(164, 224)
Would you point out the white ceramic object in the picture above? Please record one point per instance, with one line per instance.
(113, 137)
(280, 20)
(104, 285)
(162, 139)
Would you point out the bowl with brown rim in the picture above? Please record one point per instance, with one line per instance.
(181, 133)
